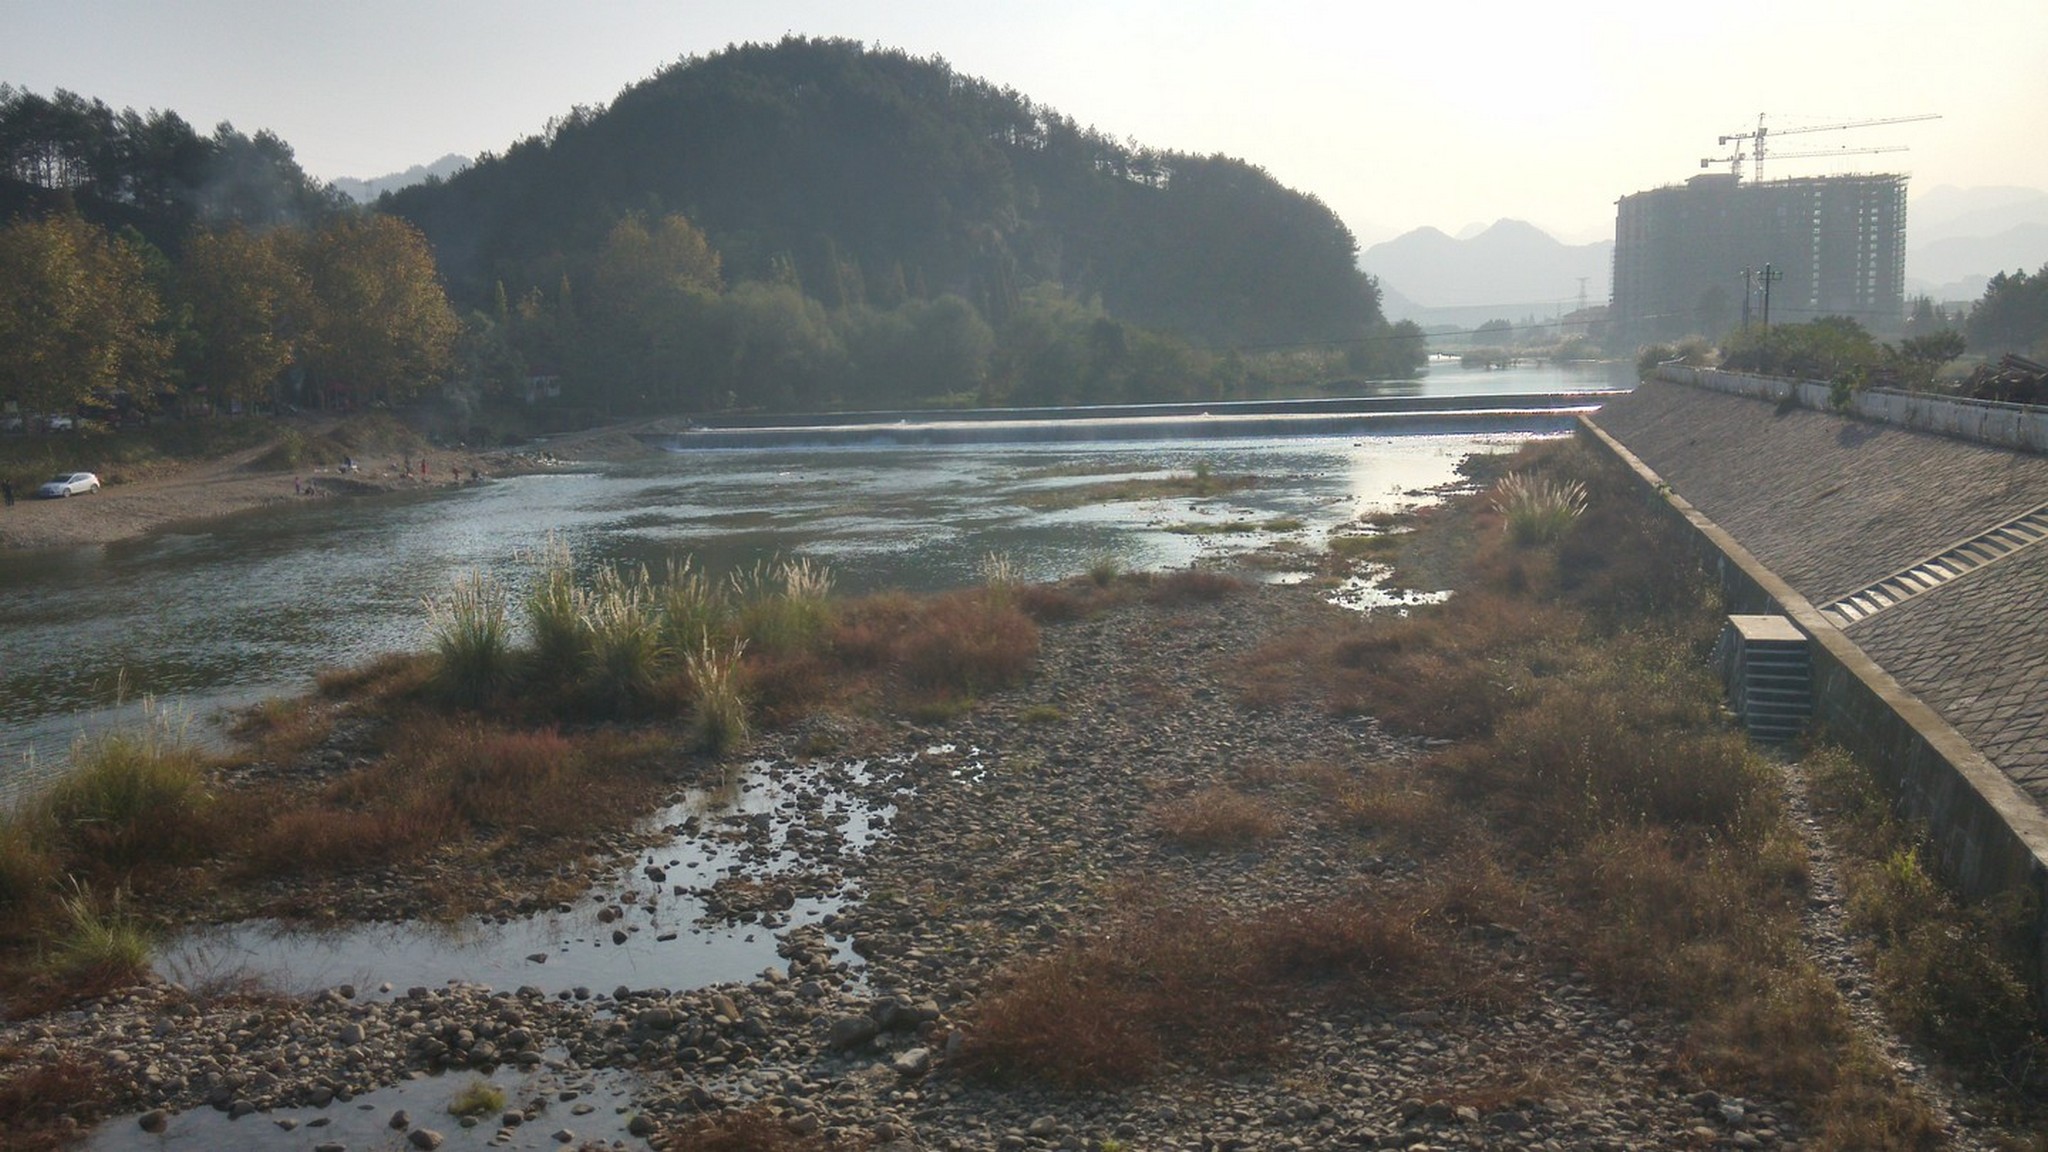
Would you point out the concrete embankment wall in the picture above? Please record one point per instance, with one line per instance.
(1990, 836)
(2020, 426)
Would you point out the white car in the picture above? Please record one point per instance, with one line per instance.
(69, 484)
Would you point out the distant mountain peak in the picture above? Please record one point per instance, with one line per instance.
(365, 191)
(1511, 265)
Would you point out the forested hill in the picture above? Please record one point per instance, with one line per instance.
(868, 176)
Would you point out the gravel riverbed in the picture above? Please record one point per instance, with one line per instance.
(1015, 827)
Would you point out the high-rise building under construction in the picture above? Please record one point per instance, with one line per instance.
(1684, 255)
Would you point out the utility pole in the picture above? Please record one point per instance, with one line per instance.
(1747, 291)
(1770, 276)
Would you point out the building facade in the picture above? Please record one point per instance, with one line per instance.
(1836, 246)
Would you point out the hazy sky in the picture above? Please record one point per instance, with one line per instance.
(1439, 112)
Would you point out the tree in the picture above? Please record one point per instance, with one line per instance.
(2012, 316)
(248, 304)
(1832, 348)
(1918, 358)
(381, 325)
(77, 316)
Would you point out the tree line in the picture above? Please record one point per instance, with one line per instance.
(806, 225)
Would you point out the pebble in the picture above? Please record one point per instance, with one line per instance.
(1008, 836)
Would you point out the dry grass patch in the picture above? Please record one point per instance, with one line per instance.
(280, 731)
(448, 782)
(755, 1129)
(1950, 974)
(1214, 819)
(44, 1103)
(1167, 984)
(1191, 585)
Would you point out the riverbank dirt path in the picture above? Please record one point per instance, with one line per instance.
(209, 489)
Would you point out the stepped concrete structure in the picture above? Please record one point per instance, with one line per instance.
(1914, 563)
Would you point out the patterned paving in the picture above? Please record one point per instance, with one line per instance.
(1833, 504)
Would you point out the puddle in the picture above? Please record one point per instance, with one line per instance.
(1367, 592)
(746, 861)
(592, 1106)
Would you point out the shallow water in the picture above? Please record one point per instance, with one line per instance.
(364, 1122)
(633, 930)
(236, 610)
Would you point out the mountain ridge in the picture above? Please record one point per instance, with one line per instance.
(1511, 266)
(366, 191)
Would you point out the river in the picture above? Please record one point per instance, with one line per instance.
(228, 612)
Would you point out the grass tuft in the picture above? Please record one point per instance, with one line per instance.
(784, 608)
(623, 635)
(472, 639)
(718, 720)
(1215, 819)
(692, 605)
(479, 1097)
(132, 796)
(1537, 509)
(555, 611)
(101, 946)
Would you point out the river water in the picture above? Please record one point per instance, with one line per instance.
(232, 611)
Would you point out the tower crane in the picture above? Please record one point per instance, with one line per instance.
(1734, 160)
(1760, 137)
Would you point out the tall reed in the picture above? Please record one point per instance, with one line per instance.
(624, 636)
(784, 607)
(472, 638)
(555, 609)
(1538, 509)
(719, 721)
(693, 606)
(999, 577)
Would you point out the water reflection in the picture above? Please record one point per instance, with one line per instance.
(651, 924)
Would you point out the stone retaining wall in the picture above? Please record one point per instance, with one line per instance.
(1990, 837)
(2021, 426)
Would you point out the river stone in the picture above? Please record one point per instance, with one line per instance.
(401, 1119)
(851, 1031)
(424, 1138)
(913, 1062)
(154, 1121)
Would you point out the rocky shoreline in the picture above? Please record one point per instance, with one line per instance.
(1015, 827)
